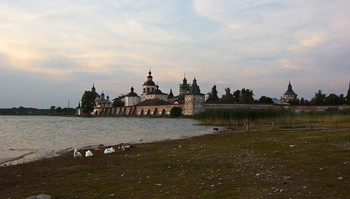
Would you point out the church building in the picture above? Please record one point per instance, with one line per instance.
(289, 95)
(151, 90)
(131, 98)
(100, 100)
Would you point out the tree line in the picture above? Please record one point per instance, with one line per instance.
(35, 111)
(239, 96)
(321, 98)
(247, 96)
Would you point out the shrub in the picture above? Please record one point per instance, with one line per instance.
(175, 111)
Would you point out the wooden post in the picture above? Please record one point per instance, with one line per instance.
(247, 125)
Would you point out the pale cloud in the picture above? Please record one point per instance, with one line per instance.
(289, 65)
(225, 11)
(306, 44)
(254, 44)
(93, 46)
(315, 41)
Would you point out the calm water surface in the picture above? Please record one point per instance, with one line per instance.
(28, 138)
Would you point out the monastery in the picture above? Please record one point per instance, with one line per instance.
(153, 101)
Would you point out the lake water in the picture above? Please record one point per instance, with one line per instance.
(28, 138)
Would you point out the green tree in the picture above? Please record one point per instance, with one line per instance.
(228, 97)
(264, 99)
(347, 98)
(246, 96)
(319, 98)
(52, 109)
(342, 99)
(175, 111)
(332, 99)
(295, 101)
(304, 101)
(59, 110)
(117, 102)
(88, 102)
(213, 95)
(236, 95)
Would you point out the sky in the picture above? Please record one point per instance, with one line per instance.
(52, 51)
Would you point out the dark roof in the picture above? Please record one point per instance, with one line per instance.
(171, 95)
(157, 91)
(289, 90)
(96, 94)
(194, 89)
(153, 102)
(180, 97)
(149, 83)
(184, 81)
(132, 93)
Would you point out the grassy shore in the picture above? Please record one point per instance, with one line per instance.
(294, 161)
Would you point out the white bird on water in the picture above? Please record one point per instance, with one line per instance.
(76, 154)
(88, 153)
(109, 150)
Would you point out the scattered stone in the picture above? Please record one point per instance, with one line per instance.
(257, 175)
(340, 178)
(292, 146)
(41, 196)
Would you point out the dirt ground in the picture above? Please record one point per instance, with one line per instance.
(286, 162)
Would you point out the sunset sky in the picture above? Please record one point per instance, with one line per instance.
(52, 51)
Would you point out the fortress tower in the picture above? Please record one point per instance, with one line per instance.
(194, 100)
(289, 95)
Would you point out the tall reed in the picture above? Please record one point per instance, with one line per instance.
(266, 116)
